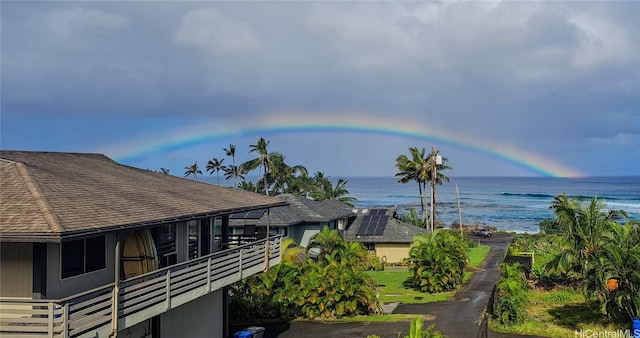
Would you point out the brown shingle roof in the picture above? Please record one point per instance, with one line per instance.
(49, 195)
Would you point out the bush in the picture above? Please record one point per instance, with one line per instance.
(438, 261)
(512, 295)
(333, 286)
(416, 331)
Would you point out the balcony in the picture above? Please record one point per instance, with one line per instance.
(92, 313)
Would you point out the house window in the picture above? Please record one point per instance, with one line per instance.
(165, 238)
(194, 235)
(370, 246)
(83, 256)
(217, 228)
(205, 237)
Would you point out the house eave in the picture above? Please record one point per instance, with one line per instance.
(58, 237)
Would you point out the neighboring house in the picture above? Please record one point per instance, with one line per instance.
(300, 219)
(380, 231)
(93, 248)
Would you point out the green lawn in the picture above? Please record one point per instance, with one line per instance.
(559, 313)
(395, 285)
(477, 255)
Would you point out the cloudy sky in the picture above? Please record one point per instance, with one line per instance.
(499, 87)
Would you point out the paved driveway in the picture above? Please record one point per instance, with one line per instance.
(458, 317)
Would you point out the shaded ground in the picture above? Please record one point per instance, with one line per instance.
(460, 316)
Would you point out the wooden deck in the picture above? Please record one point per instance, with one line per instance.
(137, 299)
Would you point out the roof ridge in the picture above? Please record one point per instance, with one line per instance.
(41, 201)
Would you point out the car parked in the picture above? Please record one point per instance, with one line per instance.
(482, 232)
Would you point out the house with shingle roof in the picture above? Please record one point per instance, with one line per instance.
(300, 219)
(91, 247)
(381, 231)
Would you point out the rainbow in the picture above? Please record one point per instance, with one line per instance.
(281, 124)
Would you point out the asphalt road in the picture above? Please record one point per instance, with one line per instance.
(460, 316)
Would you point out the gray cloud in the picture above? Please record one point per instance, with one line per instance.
(531, 74)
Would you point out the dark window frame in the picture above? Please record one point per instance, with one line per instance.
(165, 237)
(77, 257)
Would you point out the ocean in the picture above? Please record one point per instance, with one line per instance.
(515, 204)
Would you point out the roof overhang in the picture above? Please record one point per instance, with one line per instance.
(59, 237)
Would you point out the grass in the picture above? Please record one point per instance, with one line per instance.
(478, 254)
(388, 318)
(559, 313)
(395, 286)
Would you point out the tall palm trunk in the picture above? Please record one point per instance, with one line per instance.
(264, 179)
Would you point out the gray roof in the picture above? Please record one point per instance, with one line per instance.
(298, 211)
(396, 231)
(50, 195)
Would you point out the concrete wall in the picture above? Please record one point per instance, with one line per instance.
(202, 317)
(395, 252)
(140, 330)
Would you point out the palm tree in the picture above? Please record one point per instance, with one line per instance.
(412, 217)
(601, 253)
(416, 168)
(233, 171)
(192, 170)
(247, 186)
(164, 171)
(303, 185)
(215, 165)
(326, 191)
(589, 228)
(328, 240)
(283, 175)
(617, 279)
(232, 152)
(262, 161)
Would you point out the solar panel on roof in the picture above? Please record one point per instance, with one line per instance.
(253, 214)
(373, 225)
(378, 212)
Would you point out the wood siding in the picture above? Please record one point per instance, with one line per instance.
(16, 270)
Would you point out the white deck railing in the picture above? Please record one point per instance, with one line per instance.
(91, 313)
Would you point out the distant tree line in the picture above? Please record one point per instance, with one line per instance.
(275, 175)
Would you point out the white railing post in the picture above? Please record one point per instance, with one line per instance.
(50, 308)
(65, 321)
(168, 290)
(114, 311)
(240, 271)
(209, 274)
(115, 307)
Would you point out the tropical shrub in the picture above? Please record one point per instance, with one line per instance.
(438, 261)
(551, 226)
(615, 280)
(600, 253)
(511, 295)
(411, 216)
(332, 285)
(416, 331)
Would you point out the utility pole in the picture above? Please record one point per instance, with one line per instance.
(459, 212)
(435, 161)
